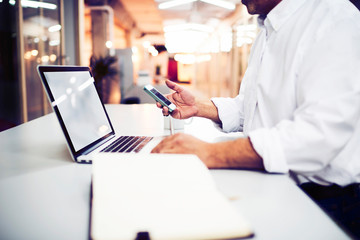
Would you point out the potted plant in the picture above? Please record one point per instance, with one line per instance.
(104, 70)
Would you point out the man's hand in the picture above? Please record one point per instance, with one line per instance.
(231, 154)
(186, 144)
(187, 106)
(184, 101)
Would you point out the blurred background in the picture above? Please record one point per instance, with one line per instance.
(202, 44)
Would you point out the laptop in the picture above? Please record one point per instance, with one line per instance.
(82, 115)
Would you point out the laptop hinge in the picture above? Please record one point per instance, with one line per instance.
(91, 149)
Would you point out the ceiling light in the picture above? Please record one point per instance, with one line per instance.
(54, 42)
(221, 3)
(248, 27)
(243, 40)
(174, 3)
(146, 44)
(191, 58)
(226, 40)
(34, 4)
(185, 58)
(184, 41)
(134, 50)
(153, 51)
(45, 59)
(189, 26)
(109, 44)
(27, 55)
(53, 57)
(54, 28)
(34, 52)
(203, 58)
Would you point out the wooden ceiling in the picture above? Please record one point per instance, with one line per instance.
(150, 20)
(146, 15)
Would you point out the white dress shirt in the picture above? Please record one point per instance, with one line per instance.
(299, 101)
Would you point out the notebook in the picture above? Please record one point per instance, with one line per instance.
(82, 116)
(160, 197)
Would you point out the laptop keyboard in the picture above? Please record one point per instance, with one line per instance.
(127, 144)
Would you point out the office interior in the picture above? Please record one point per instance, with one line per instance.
(202, 44)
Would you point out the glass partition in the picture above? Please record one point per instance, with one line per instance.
(42, 37)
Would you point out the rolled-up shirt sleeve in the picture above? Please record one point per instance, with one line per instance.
(231, 111)
(231, 117)
(268, 145)
(308, 143)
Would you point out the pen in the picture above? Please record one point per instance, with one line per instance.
(171, 125)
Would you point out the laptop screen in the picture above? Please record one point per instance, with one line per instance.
(79, 105)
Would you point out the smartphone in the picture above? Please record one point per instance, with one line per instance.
(155, 94)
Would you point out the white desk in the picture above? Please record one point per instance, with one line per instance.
(44, 195)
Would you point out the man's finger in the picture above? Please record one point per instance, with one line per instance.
(165, 111)
(173, 86)
(160, 146)
(158, 105)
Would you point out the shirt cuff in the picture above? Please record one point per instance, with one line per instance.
(229, 116)
(266, 143)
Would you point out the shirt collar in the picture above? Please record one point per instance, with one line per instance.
(279, 15)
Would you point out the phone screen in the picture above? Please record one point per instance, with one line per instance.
(159, 95)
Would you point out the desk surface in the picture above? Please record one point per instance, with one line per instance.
(45, 195)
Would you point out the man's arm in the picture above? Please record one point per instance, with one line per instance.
(207, 109)
(232, 154)
(235, 154)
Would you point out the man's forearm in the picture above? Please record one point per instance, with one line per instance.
(234, 154)
(207, 109)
